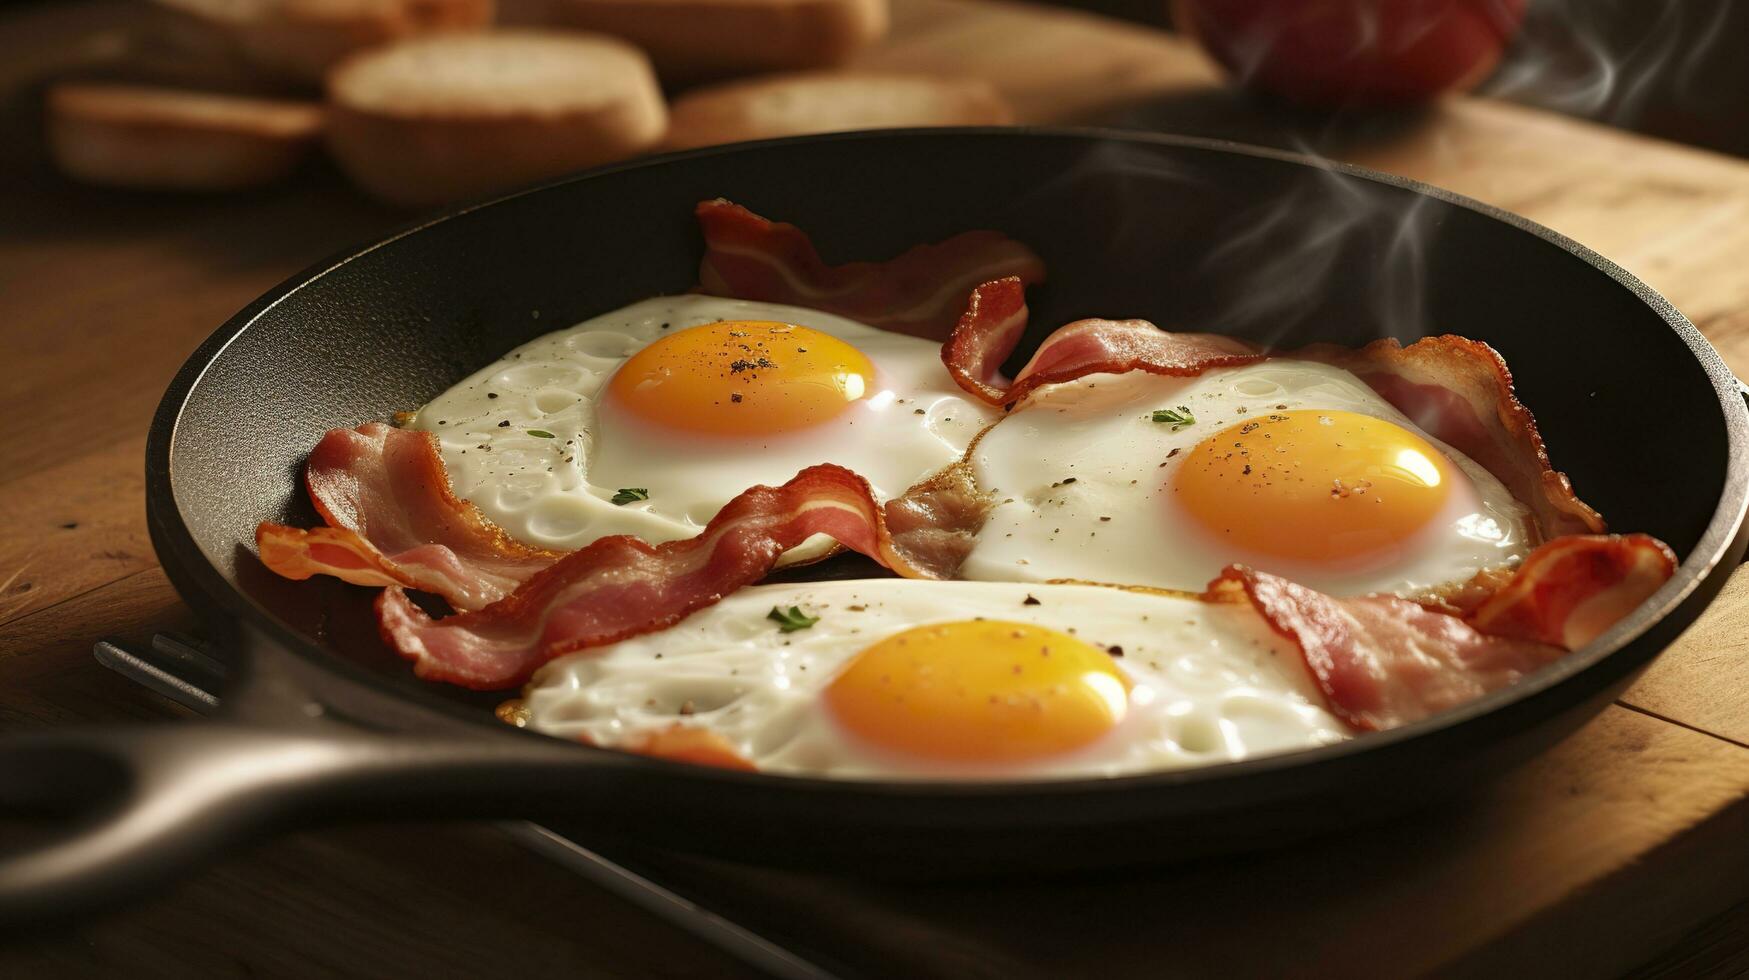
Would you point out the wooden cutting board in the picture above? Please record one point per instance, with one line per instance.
(1610, 848)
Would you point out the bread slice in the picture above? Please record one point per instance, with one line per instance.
(136, 136)
(819, 102)
(448, 116)
(692, 40)
(302, 39)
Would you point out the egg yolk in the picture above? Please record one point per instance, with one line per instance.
(984, 691)
(1313, 485)
(742, 377)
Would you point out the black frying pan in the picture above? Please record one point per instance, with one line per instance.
(323, 724)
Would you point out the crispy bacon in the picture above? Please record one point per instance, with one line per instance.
(393, 520)
(1382, 661)
(1572, 589)
(995, 318)
(1455, 389)
(985, 335)
(621, 586)
(918, 293)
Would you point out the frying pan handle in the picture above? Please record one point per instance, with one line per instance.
(135, 807)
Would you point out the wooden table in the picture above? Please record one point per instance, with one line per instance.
(1629, 839)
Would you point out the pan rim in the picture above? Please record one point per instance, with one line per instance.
(1724, 534)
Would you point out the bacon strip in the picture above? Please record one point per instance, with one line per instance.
(987, 332)
(1457, 390)
(1382, 661)
(621, 586)
(1569, 591)
(393, 520)
(918, 293)
(995, 318)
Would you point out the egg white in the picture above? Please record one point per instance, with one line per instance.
(557, 492)
(1082, 476)
(1211, 682)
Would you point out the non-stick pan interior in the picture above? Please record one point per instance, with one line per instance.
(1188, 235)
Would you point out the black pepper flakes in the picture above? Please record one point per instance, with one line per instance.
(1031, 600)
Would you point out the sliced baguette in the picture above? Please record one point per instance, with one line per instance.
(136, 136)
(820, 102)
(692, 40)
(302, 39)
(447, 116)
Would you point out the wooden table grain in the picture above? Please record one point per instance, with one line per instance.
(1627, 838)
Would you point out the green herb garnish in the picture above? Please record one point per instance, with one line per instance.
(1177, 419)
(789, 622)
(627, 495)
(541, 434)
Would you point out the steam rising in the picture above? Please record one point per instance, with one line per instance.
(1567, 59)
(1268, 262)
(1269, 268)
(1289, 249)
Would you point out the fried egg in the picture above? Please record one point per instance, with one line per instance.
(915, 679)
(648, 419)
(1293, 467)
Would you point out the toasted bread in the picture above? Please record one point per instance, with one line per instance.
(302, 39)
(818, 102)
(448, 116)
(136, 136)
(692, 40)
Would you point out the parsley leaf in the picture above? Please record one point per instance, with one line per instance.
(541, 434)
(1177, 419)
(789, 622)
(627, 495)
